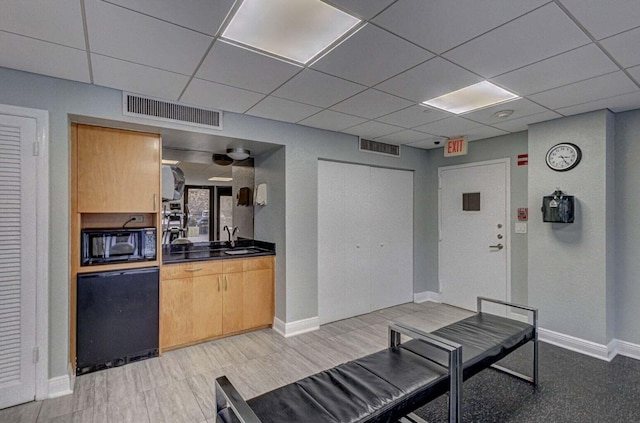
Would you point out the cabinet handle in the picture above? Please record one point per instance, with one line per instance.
(226, 282)
(155, 202)
(193, 269)
(218, 283)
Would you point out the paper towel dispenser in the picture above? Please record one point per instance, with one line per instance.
(558, 208)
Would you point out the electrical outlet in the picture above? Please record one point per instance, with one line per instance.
(136, 218)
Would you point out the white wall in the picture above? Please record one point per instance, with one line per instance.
(627, 157)
(569, 272)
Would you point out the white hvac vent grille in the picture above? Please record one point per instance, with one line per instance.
(379, 148)
(133, 105)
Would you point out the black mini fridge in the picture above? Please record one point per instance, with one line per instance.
(117, 318)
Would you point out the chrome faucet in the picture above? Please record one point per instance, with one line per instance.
(232, 237)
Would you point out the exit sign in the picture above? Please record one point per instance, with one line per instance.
(455, 147)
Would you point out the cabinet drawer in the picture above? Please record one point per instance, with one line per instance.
(258, 263)
(233, 266)
(188, 270)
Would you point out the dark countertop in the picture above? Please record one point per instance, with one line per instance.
(202, 251)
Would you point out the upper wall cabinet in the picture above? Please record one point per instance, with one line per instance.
(118, 171)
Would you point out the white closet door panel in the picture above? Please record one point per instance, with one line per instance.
(331, 246)
(392, 237)
(357, 239)
(17, 269)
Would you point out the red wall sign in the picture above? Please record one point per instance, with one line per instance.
(523, 213)
(523, 159)
(455, 147)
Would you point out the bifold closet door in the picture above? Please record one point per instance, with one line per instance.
(391, 237)
(343, 241)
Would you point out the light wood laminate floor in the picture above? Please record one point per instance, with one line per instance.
(179, 386)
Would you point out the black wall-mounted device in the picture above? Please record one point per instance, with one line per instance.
(558, 208)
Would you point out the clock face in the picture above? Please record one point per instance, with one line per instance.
(563, 156)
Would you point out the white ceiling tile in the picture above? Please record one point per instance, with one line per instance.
(370, 56)
(521, 124)
(218, 96)
(317, 89)
(405, 137)
(199, 15)
(333, 121)
(597, 88)
(136, 78)
(575, 65)
(372, 129)
(616, 104)
(635, 73)
(284, 110)
(363, 9)
(242, 68)
(371, 103)
(521, 108)
(452, 126)
(61, 24)
(414, 116)
(605, 18)
(540, 34)
(123, 34)
(484, 132)
(429, 80)
(31, 55)
(624, 47)
(443, 24)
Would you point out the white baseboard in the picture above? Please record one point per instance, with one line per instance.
(590, 348)
(518, 316)
(421, 297)
(627, 349)
(62, 385)
(296, 328)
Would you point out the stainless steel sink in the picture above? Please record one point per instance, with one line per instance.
(239, 252)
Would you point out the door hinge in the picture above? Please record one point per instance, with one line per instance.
(36, 148)
(36, 355)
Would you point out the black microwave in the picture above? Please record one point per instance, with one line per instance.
(104, 246)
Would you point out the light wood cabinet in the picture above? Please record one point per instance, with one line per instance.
(204, 300)
(117, 171)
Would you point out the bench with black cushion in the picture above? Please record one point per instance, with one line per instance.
(388, 385)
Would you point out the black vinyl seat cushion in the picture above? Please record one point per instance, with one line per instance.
(381, 387)
(485, 339)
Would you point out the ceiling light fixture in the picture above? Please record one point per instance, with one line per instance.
(297, 30)
(170, 162)
(222, 159)
(220, 179)
(473, 97)
(503, 114)
(238, 153)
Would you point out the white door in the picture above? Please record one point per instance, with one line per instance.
(17, 260)
(343, 241)
(473, 255)
(392, 237)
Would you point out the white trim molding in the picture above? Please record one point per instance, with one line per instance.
(296, 328)
(62, 385)
(424, 296)
(627, 349)
(582, 346)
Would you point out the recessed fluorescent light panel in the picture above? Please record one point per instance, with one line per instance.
(297, 30)
(473, 97)
(169, 162)
(220, 179)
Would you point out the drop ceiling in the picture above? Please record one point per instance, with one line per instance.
(562, 57)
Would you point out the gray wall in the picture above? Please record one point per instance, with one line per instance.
(627, 156)
(243, 176)
(304, 147)
(494, 148)
(568, 268)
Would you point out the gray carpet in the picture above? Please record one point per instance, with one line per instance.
(573, 388)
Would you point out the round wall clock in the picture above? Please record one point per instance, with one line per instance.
(564, 156)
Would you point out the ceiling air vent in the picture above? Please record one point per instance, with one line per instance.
(134, 105)
(379, 148)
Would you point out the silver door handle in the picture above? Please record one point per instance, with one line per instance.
(499, 246)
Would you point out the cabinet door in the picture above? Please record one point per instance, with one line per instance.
(118, 171)
(176, 312)
(207, 306)
(232, 308)
(258, 298)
